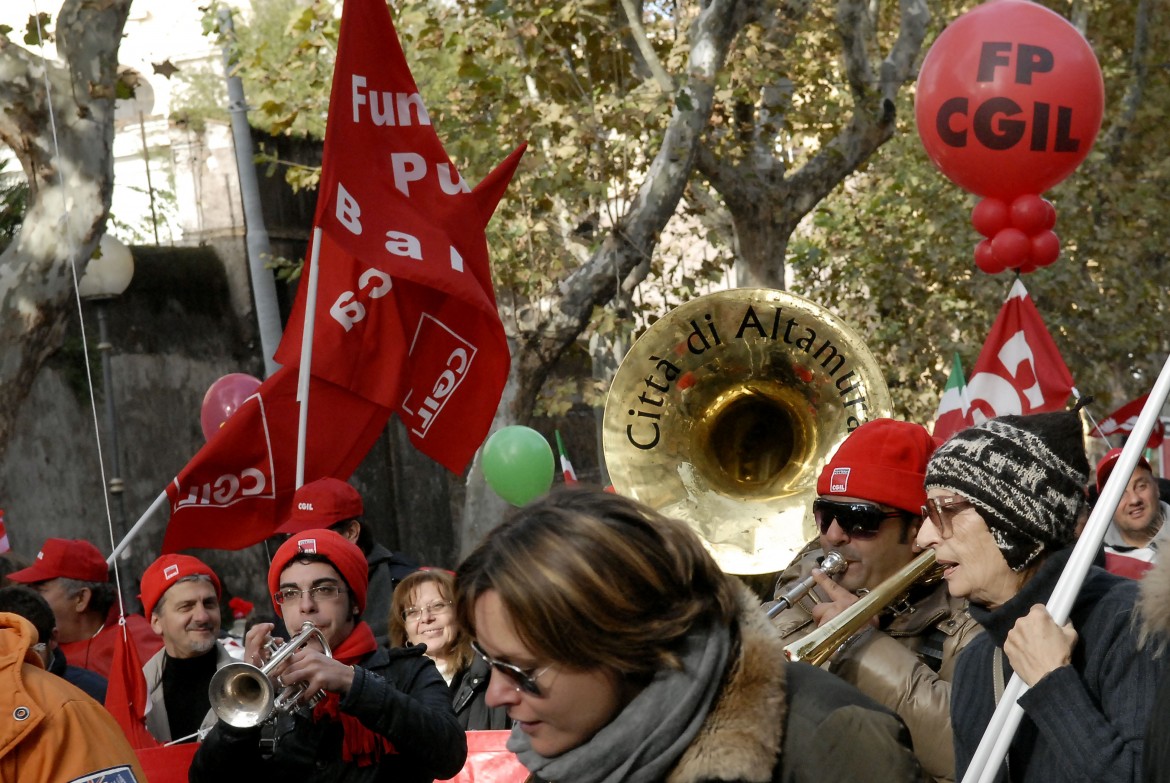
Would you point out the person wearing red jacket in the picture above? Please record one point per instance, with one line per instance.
(73, 577)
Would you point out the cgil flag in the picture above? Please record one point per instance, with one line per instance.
(1122, 421)
(1020, 369)
(954, 409)
(406, 314)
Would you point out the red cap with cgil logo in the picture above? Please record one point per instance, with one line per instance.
(164, 572)
(321, 503)
(69, 558)
(1109, 461)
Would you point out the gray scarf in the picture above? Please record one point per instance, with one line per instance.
(646, 738)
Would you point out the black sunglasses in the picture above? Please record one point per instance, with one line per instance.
(858, 520)
(525, 680)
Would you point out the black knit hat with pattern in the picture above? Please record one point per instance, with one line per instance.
(1026, 476)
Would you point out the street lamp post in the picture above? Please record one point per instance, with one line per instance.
(107, 275)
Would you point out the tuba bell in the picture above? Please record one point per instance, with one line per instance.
(244, 696)
(724, 410)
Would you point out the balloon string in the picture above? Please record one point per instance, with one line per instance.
(63, 225)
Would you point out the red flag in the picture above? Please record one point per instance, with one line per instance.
(238, 488)
(126, 696)
(406, 315)
(1122, 421)
(1020, 369)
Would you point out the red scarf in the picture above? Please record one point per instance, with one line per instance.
(360, 745)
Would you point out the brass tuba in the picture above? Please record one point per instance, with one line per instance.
(243, 695)
(725, 409)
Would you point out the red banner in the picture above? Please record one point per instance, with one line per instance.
(406, 315)
(127, 698)
(238, 488)
(1020, 369)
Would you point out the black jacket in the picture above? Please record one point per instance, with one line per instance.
(468, 692)
(397, 693)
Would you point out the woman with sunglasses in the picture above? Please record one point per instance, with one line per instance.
(1004, 499)
(867, 510)
(623, 653)
(422, 612)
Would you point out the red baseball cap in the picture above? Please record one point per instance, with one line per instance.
(70, 558)
(164, 572)
(321, 503)
(1107, 463)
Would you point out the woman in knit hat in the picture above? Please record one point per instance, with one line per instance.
(1003, 501)
(386, 714)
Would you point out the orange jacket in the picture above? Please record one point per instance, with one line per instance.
(50, 730)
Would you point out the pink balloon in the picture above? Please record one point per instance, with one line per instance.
(1011, 247)
(223, 398)
(1045, 248)
(990, 216)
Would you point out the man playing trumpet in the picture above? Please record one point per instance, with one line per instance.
(385, 715)
(870, 496)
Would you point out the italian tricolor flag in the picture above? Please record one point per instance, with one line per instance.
(954, 409)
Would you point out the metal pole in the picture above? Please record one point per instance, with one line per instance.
(116, 487)
(256, 236)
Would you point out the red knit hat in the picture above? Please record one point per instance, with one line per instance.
(1109, 461)
(337, 549)
(882, 461)
(320, 504)
(67, 558)
(165, 572)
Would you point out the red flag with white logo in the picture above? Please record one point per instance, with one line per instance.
(238, 488)
(1020, 369)
(405, 315)
(1122, 421)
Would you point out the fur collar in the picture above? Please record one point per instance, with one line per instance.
(1154, 604)
(742, 735)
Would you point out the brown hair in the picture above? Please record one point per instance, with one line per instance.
(592, 579)
(460, 655)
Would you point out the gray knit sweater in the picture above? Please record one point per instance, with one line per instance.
(1082, 722)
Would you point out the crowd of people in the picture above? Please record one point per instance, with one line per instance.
(609, 642)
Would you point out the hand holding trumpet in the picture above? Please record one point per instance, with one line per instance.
(309, 665)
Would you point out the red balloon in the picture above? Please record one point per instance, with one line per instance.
(1011, 247)
(1030, 214)
(1009, 99)
(985, 258)
(1045, 248)
(989, 217)
(223, 398)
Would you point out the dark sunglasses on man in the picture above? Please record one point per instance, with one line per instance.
(856, 518)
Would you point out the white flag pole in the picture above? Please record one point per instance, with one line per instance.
(125, 542)
(997, 738)
(307, 356)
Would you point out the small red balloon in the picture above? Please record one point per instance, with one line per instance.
(985, 258)
(1050, 214)
(990, 216)
(1045, 248)
(223, 398)
(1011, 247)
(1029, 213)
(1027, 269)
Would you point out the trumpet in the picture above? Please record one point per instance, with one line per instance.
(832, 564)
(819, 646)
(244, 696)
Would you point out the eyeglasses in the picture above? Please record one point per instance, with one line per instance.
(434, 607)
(318, 593)
(525, 679)
(942, 511)
(858, 520)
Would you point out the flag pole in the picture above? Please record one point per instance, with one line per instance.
(125, 542)
(997, 738)
(307, 356)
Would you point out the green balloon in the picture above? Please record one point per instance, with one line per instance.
(518, 464)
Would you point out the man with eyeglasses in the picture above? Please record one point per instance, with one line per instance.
(870, 496)
(385, 714)
(181, 596)
(335, 504)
